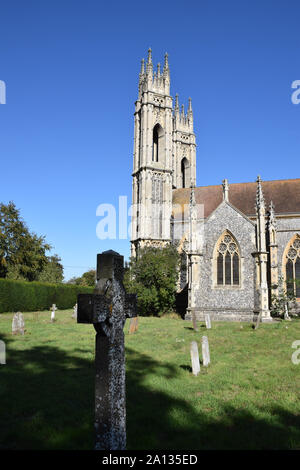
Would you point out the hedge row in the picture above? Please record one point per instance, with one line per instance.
(32, 296)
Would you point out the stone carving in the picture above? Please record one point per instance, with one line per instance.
(107, 310)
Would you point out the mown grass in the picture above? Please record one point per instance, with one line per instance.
(248, 398)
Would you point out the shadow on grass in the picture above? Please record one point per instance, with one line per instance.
(47, 400)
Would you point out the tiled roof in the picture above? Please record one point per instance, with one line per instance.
(285, 195)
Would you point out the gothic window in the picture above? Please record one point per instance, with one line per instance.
(227, 261)
(157, 142)
(184, 172)
(292, 266)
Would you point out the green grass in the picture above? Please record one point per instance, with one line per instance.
(248, 398)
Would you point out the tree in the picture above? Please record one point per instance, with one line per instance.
(281, 303)
(88, 279)
(153, 277)
(53, 271)
(22, 254)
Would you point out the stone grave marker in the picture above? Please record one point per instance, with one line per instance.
(286, 313)
(207, 321)
(205, 351)
(195, 358)
(133, 325)
(107, 309)
(74, 315)
(2, 352)
(53, 308)
(194, 321)
(18, 324)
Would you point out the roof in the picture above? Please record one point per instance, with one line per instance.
(285, 195)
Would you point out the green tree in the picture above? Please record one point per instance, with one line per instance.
(88, 279)
(53, 271)
(153, 277)
(22, 253)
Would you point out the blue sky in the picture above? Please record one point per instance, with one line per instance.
(71, 72)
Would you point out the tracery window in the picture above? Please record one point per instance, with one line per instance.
(292, 266)
(228, 261)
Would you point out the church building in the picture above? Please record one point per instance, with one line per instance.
(238, 242)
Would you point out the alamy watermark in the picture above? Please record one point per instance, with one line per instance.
(295, 358)
(296, 94)
(126, 221)
(2, 92)
(2, 352)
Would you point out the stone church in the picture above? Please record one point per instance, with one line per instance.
(238, 242)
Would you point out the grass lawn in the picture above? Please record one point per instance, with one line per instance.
(248, 398)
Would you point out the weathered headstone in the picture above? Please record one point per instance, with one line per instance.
(107, 309)
(18, 324)
(2, 352)
(205, 351)
(195, 358)
(194, 321)
(74, 315)
(53, 308)
(207, 321)
(133, 325)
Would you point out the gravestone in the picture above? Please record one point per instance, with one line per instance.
(107, 309)
(195, 358)
(2, 352)
(286, 313)
(18, 324)
(207, 321)
(133, 325)
(205, 351)
(53, 308)
(74, 315)
(194, 321)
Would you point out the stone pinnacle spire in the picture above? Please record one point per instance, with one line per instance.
(272, 218)
(260, 200)
(149, 62)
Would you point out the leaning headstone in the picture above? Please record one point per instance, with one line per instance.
(74, 315)
(107, 309)
(18, 324)
(195, 358)
(194, 321)
(133, 325)
(53, 308)
(205, 351)
(207, 321)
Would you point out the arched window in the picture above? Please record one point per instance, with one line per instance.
(292, 266)
(157, 142)
(227, 260)
(185, 167)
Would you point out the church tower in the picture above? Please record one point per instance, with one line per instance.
(164, 156)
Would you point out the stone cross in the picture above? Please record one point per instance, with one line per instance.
(133, 326)
(107, 309)
(18, 324)
(207, 321)
(195, 358)
(53, 308)
(194, 321)
(205, 351)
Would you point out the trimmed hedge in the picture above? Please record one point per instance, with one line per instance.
(33, 296)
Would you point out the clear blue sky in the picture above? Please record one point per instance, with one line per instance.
(71, 71)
